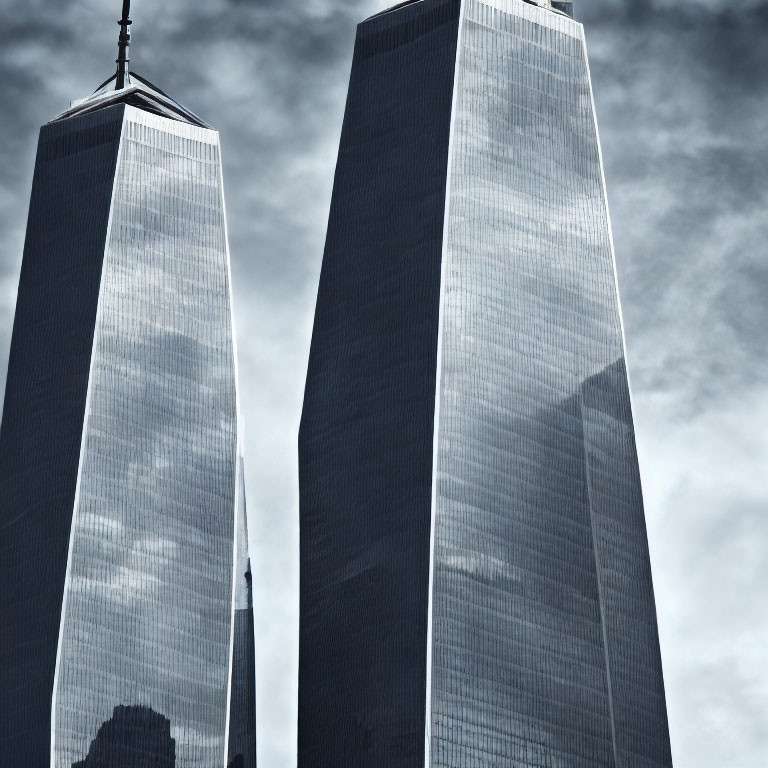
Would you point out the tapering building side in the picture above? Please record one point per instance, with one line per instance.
(242, 700)
(475, 583)
(123, 555)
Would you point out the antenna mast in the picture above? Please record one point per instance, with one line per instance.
(123, 45)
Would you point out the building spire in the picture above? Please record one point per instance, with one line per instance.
(123, 45)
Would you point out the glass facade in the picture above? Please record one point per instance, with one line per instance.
(544, 632)
(540, 644)
(147, 610)
(125, 576)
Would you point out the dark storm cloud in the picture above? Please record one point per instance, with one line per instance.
(681, 90)
(684, 95)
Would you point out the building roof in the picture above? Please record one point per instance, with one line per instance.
(393, 8)
(137, 92)
(559, 6)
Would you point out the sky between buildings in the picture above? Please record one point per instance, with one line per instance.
(682, 104)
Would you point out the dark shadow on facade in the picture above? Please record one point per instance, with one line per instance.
(134, 737)
(242, 705)
(366, 435)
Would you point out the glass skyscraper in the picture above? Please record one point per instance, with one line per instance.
(476, 587)
(127, 631)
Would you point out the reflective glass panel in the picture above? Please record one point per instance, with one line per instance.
(145, 647)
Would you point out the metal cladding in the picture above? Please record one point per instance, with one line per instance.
(475, 584)
(120, 454)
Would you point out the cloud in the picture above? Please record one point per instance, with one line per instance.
(678, 95)
(708, 528)
(680, 88)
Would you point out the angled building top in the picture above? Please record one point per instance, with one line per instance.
(125, 87)
(561, 6)
(137, 92)
(394, 8)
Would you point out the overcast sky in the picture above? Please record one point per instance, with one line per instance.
(683, 111)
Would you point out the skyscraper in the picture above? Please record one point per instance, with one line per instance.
(124, 579)
(475, 579)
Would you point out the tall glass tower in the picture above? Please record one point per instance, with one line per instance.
(124, 579)
(475, 588)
